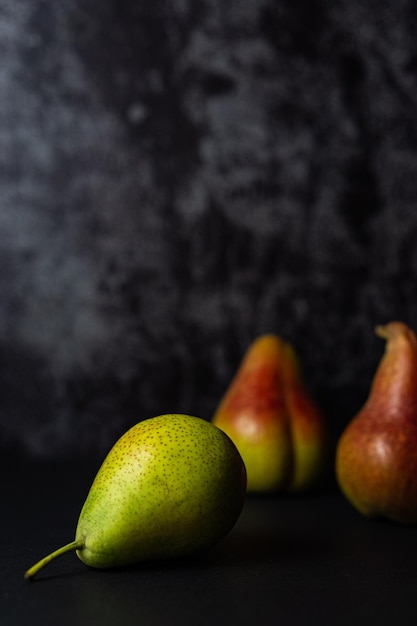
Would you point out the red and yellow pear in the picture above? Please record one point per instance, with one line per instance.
(273, 421)
(376, 456)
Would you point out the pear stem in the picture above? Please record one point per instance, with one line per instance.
(77, 544)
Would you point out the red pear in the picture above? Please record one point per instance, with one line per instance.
(273, 421)
(376, 457)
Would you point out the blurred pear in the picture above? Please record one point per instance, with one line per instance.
(273, 420)
(376, 456)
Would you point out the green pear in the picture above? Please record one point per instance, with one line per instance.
(171, 486)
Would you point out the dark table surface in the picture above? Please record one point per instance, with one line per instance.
(289, 560)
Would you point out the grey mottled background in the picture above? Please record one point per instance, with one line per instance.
(177, 177)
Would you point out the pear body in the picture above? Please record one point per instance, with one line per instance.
(376, 456)
(170, 486)
(273, 420)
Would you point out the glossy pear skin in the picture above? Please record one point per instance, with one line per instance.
(272, 419)
(171, 485)
(376, 457)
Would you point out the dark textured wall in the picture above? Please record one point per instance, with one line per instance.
(179, 177)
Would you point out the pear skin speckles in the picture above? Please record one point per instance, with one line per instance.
(170, 486)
